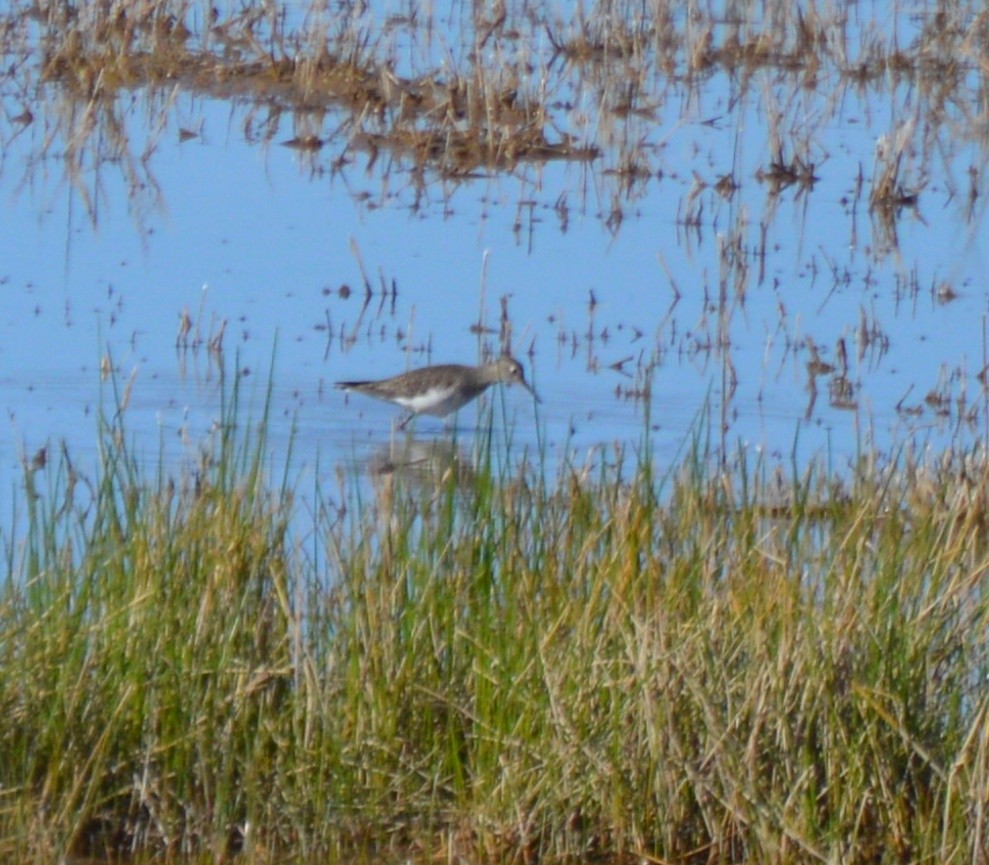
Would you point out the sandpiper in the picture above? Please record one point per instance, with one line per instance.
(439, 390)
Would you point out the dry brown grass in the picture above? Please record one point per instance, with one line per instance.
(508, 85)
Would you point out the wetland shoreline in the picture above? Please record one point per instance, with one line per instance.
(612, 664)
(506, 654)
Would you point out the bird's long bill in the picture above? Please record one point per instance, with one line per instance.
(529, 388)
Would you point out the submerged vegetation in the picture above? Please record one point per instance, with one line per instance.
(693, 666)
(486, 88)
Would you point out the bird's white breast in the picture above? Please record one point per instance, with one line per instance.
(437, 401)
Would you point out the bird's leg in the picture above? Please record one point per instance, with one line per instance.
(404, 422)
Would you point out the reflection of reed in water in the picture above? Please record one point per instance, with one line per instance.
(344, 86)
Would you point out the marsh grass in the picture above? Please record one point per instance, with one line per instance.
(709, 664)
(481, 89)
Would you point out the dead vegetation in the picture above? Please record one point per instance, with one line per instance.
(498, 87)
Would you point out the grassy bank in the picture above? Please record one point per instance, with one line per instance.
(696, 667)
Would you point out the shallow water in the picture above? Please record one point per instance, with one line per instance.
(612, 278)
